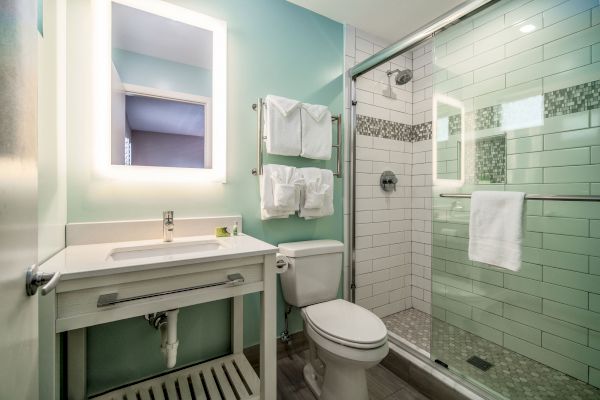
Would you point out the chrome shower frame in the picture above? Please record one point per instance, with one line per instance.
(406, 43)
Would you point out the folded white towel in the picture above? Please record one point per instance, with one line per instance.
(322, 182)
(279, 191)
(282, 126)
(496, 228)
(316, 132)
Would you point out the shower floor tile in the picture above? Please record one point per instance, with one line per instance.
(512, 375)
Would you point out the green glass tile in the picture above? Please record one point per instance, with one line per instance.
(582, 38)
(595, 150)
(486, 332)
(438, 264)
(547, 324)
(561, 123)
(438, 288)
(506, 325)
(532, 239)
(566, 226)
(451, 255)
(475, 273)
(594, 339)
(594, 378)
(583, 354)
(595, 228)
(552, 66)
(471, 299)
(572, 77)
(532, 175)
(567, 9)
(457, 243)
(574, 244)
(584, 173)
(596, 52)
(525, 145)
(595, 189)
(515, 298)
(438, 240)
(586, 318)
(550, 358)
(595, 265)
(528, 270)
(509, 64)
(449, 229)
(577, 280)
(451, 305)
(596, 16)
(559, 259)
(595, 115)
(452, 280)
(438, 312)
(595, 303)
(573, 139)
(527, 9)
(577, 156)
(574, 209)
(562, 294)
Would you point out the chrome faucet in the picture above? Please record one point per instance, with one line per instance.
(168, 226)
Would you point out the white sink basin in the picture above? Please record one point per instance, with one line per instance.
(164, 249)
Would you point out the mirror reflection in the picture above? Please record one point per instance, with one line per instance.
(448, 141)
(161, 91)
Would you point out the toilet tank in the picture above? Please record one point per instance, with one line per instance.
(314, 272)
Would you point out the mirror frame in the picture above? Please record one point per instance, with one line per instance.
(102, 59)
(442, 99)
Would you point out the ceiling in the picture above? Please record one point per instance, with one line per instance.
(150, 34)
(150, 114)
(387, 19)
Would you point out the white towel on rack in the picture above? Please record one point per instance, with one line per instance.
(496, 228)
(321, 181)
(277, 200)
(316, 132)
(282, 126)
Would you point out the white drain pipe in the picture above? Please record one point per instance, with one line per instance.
(168, 337)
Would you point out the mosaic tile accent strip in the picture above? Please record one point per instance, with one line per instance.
(369, 126)
(490, 164)
(454, 122)
(421, 132)
(573, 99)
(488, 117)
(512, 375)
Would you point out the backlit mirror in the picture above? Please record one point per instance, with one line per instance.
(167, 90)
(448, 140)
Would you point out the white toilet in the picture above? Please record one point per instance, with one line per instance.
(345, 339)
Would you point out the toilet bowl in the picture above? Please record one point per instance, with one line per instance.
(348, 340)
(345, 339)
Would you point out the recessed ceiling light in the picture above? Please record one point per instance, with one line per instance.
(527, 28)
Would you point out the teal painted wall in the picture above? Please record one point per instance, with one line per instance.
(273, 47)
(143, 70)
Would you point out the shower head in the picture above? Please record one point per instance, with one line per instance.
(402, 76)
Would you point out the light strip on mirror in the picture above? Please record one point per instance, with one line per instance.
(101, 99)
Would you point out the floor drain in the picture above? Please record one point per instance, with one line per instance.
(480, 363)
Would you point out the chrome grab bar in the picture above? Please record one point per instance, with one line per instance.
(110, 299)
(35, 279)
(557, 197)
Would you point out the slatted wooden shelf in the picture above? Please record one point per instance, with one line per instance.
(226, 378)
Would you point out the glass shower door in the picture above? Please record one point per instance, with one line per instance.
(516, 107)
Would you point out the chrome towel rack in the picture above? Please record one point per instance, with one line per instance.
(549, 197)
(259, 108)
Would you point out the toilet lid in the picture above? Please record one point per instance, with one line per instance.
(346, 323)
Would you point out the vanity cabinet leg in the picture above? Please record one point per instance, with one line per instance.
(237, 324)
(76, 368)
(268, 340)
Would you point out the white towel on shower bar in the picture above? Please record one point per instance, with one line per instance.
(282, 125)
(496, 228)
(316, 132)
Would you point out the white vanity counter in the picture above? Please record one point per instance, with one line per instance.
(96, 260)
(105, 282)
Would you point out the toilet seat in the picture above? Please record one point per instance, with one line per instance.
(346, 323)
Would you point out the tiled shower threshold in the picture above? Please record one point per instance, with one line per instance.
(512, 376)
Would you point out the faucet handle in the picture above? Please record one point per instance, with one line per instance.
(168, 215)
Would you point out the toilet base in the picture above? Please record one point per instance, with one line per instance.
(341, 381)
(313, 381)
